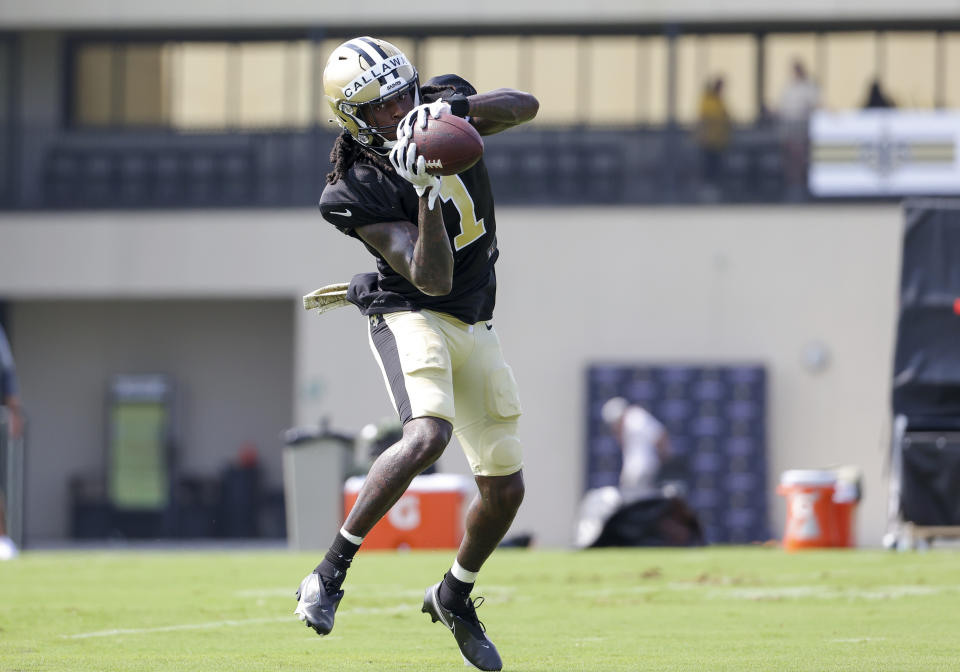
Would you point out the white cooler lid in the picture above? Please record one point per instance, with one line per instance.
(422, 483)
(808, 477)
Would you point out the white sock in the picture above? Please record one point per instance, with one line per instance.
(352, 538)
(461, 574)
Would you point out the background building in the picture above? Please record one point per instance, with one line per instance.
(159, 165)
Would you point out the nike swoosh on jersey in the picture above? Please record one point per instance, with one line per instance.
(345, 213)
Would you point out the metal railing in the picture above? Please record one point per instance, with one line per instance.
(528, 166)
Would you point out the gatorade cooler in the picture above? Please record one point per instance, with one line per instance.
(814, 518)
(430, 513)
(846, 495)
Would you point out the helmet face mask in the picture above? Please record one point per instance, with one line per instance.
(367, 132)
(362, 73)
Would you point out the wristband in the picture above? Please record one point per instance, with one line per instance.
(459, 105)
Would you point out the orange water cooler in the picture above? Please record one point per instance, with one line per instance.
(819, 510)
(430, 513)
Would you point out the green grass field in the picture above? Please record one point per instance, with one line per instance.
(711, 609)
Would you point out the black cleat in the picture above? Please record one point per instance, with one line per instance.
(467, 629)
(317, 604)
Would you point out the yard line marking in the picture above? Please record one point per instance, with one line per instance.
(858, 640)
(776, 592)
(172, 628)
(363, 591)
(266, 592)
(374, 590)
(617, 591)
(395, 609)
(830, 592)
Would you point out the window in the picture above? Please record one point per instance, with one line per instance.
(909, 71)
(703, 58)
(600, 80)
(556, 79)
(94, 85)
(780, 53)
(851, 65)
(145, 98)
(194, 85)
(7, 159)
(596, 80)
(264, 97)
(497, 62)
(200, 76)
(440, 55)
(951, 77)
(613, 80)
(654, 105)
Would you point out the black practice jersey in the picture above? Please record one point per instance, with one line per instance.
(369, 194)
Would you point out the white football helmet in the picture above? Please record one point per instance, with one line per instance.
(365, 71)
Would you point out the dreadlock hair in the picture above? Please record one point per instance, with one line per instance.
(347, 151)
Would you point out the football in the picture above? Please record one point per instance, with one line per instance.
(449, 144)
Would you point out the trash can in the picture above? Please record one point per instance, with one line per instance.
(315, 462)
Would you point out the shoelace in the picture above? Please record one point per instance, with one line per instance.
(471, 614)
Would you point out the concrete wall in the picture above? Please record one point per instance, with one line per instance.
(231, 363)
(682, 285)
(123, 13)
(577, 285)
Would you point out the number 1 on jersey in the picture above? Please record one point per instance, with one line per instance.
(453, 189)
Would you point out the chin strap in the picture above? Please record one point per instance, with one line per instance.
(382, 149)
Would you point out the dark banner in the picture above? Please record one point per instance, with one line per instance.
(930, 493)
(716, 417)
(926, 383)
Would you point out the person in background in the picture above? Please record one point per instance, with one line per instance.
(645, 444)
(713, 134)
(876, 97)
(9, 400)
(797, 102)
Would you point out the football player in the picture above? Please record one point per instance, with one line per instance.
(429, 306)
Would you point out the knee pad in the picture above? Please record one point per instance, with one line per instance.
(492, 447)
